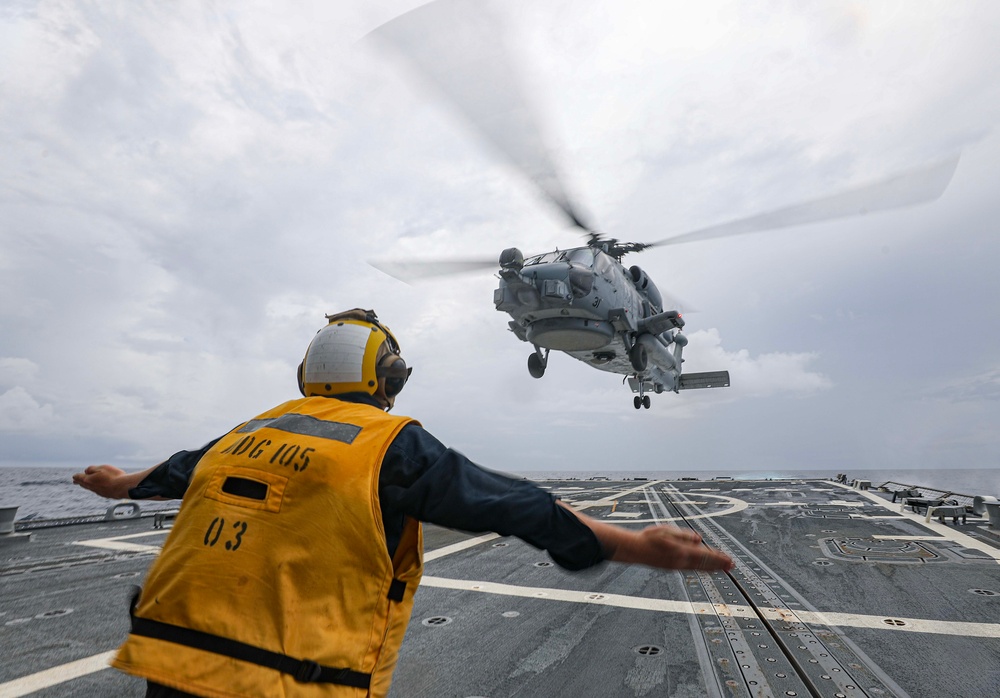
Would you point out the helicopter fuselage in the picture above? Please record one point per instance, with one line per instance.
(583, 302)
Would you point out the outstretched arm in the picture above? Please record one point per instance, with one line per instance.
(109, 481)
(664, 546)
(168, 480)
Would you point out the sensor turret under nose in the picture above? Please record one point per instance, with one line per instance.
(511, 258)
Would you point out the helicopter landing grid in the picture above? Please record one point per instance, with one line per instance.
(836, 592)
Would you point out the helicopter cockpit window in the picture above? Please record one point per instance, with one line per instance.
(583, 256)
(546, 258)
(602, 263)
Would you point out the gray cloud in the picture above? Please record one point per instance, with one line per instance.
(185, 192)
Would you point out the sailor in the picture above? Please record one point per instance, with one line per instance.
(292, 564)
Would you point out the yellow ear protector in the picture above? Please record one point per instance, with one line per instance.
(392, 367)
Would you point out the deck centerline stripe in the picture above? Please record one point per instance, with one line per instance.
(839, 619)
(458, 547)
(31, 683)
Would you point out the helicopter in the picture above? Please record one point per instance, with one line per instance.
(583, 301)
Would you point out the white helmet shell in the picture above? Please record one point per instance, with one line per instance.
(344, 356)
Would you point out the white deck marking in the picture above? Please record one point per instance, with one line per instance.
(835, 503)
(911, 625)
(946, 531)
(610, 498)
(636, 521)
(548, 594)
(458, 547)
(842, 620)
(114, 543)
(27, 685)
(736, 505)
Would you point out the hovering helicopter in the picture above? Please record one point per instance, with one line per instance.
(583, 301)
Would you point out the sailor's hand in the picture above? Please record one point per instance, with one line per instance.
(672, 548)
(105, 480)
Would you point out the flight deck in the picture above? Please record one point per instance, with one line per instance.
(837, 592)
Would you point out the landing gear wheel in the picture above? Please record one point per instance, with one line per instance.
(637, 401)
(645, 401)
(638, 357)
(535, 366)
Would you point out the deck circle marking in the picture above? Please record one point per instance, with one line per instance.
(736, 505)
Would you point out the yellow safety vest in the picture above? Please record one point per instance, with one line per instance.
(275, 580)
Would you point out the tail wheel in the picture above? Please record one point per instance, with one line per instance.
(535, 366)
(638, 357)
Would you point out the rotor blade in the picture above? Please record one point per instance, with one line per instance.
(416, 270)
(672, 302)
(917, 186)
(459, 48)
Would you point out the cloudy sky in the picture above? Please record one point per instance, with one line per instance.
(187, 187)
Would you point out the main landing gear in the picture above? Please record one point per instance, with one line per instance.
(537, 362)
(641, 401)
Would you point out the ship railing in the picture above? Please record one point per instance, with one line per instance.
(33, 523)
(893, 487)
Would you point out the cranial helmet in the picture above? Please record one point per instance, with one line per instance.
(354, 353)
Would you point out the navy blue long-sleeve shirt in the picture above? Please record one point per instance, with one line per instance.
(423, 479)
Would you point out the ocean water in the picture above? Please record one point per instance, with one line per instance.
(50, 493)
